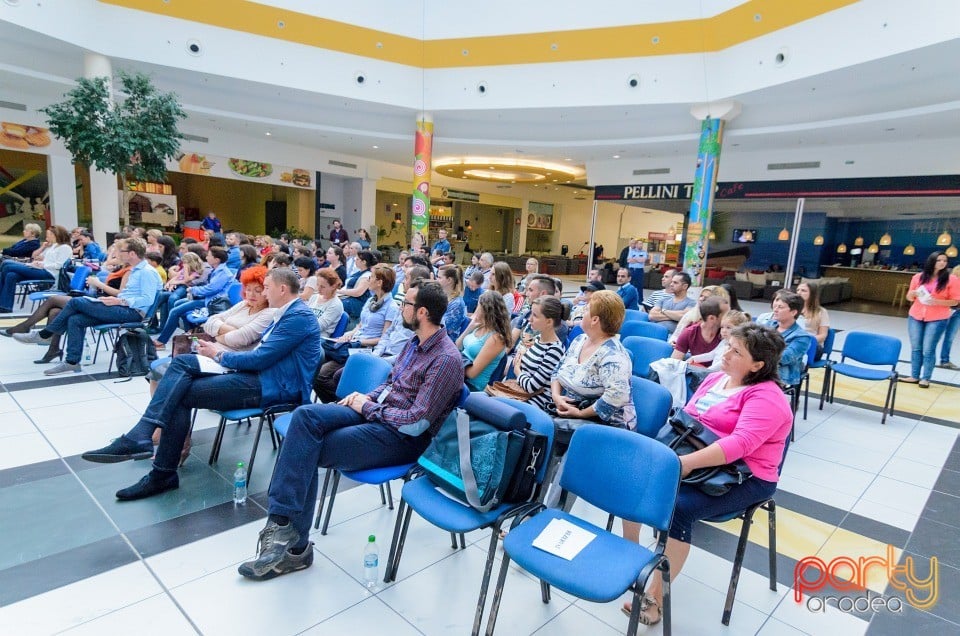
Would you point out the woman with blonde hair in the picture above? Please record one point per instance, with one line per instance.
(47, 261)
(485, 340)
(502, 282)
(816, 319)
(693, 317)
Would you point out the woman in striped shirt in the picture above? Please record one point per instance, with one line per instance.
(534, 365)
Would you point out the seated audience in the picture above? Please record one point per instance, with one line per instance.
(91, 249)
(486, 268)
(472, 290)
(583, 300)
(179, 277)
(325, 304)
(129, 305)
(502, 283)
(626, 290)
(532, 271)
(26, 246)
(537, 287)
(692, 315)
(668, 311)
(393, 424)
(277, 371)
(199, 295)
(47, 261)
(592, 383)
(649, 302)
(249, 257)
(335, 260)
(732, 295)
(451, 280)
(816, 318)
(485, 340)
(307, 270)
(535, 363)
(156, 262)
(745, 407)
(704, 336)
(355, 293)
(786, 309)
(379, 312)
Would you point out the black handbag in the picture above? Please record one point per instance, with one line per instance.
(685, 434)
(218, 305)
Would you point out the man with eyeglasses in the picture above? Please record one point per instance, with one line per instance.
(130, 305)
(393, 424)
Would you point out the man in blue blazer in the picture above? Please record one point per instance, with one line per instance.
(626, 291)
(278, 371)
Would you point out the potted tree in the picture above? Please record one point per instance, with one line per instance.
(133, 137)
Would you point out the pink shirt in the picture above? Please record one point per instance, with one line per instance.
(753, 424)
(929, 313)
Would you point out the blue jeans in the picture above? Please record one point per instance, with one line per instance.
(183, 388)
(953, 324)
(331, 436)
(81, 313)
(11, 273)
(167, 300)
(693, 505)
(924, 337)
(182, 308)
(636, 279)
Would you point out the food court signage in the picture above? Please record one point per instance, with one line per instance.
(925, 186)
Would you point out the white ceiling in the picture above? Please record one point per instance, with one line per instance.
(906, 98)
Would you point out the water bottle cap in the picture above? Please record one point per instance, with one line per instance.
(371, 538)
(239, 464)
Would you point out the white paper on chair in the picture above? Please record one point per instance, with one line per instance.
(211, 366)
(563, 539)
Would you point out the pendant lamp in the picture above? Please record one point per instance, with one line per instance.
(909, 250)
(874, 248)
(784, 235)
(818, 240)
(944, 239)
(951, 251)
(858, 242)
(886, 239)
(712, 236)
(842, 248)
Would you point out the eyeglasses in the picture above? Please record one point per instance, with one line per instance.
(407, 302)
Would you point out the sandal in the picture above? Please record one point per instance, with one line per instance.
(909, 380)
(647, 602)
(924, 384)
(159, 346)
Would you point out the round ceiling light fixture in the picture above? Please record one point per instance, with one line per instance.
(512, 170)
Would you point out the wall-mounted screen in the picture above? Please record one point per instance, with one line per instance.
(745, 236)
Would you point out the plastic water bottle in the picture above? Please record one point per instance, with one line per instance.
(371, 563)
(240, 484)
(87, 358)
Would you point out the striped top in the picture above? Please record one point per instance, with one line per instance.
(536, 369)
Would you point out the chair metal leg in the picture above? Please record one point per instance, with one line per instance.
(404, 512)
(826, 383)
(217, 440)
(498, 594)
(453, 540)
(771, 508)
(485, 581)
(389, 496)
(463, 542)
(321, 499)
(383, 495)
(544, 591)
(737, 564)
(806, 396)
(253, 453)
(333, 496)
(667, 617)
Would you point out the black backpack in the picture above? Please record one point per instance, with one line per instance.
(134, 351)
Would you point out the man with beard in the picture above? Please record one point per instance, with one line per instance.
(393, 424)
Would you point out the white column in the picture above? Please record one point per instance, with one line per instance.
(104, 197)
(62, 182)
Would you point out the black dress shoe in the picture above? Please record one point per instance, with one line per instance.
(153, 483)
(120, 450)
(49, 357)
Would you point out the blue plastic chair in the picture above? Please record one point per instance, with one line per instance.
(78, 282)
(574, 332)
(645, 350)
(813, 363)
(235, 293)
(341, 327)
(25, 288)
(645, 329)
(652, 402)
(422, 496)
(628, 475)
(109, 332)
(635, 315)
(866, 348)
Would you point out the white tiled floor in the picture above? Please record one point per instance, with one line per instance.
(842, 457)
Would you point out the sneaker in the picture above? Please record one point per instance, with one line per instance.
(947, 365)
(63, 367)
(153, 483)
(120, 450)
(275, 557)
(31, 338)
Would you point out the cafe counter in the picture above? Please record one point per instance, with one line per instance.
(870, 284)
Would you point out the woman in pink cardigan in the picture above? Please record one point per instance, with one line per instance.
(745, 406)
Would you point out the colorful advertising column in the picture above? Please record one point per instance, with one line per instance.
(422, 159)
(701, 201)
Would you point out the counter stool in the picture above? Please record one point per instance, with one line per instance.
(900, 296)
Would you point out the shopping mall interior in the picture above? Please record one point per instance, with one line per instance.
(557, 133)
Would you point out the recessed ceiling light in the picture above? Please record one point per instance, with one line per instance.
(376, 147)
(616, 156)
(268, 133)
(492, 167)
(568, 159)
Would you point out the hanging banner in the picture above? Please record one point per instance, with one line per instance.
(701, 199)
(422, 159)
